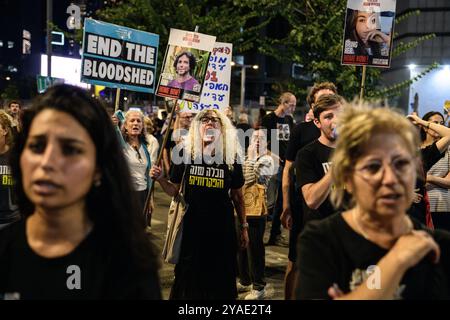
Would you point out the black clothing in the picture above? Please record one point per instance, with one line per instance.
(251, 262)
(430, 155)
(102, 273)
(331, 252)
(283, 127)
(9, 211)
(243, 126)
(207, 266)
(312, 164)
(302, 134)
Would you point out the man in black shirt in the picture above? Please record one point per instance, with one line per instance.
(314, 174)
(281, 121)
(302, 134)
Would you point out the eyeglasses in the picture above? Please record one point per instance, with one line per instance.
(214, 120)
(373, 171)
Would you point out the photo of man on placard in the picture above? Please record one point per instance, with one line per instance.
(184, 65)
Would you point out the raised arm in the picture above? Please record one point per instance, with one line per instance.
(443, 143)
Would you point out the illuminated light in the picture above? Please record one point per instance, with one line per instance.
(233, 63)
(256, 67)
(68, 69)
(412, 66)
(125, 98)
(8, 78)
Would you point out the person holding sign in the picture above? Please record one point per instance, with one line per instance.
(364, 34)
(212, 190)
(184, 65)
(82, 235)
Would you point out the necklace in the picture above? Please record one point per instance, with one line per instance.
(361, 231)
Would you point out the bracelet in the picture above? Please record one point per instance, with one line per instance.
(244, 225)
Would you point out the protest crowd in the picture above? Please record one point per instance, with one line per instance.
(362, 189)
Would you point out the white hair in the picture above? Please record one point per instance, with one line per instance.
(227, 147)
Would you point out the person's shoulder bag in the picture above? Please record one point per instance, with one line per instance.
(177, 210)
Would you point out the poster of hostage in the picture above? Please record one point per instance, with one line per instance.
(368, 32)
(185, 65)
(119, 57)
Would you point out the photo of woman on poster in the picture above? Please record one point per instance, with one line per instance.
(369, 26)
(363, 27)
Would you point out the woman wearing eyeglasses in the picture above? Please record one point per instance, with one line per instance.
(135, 146)
(212, 181)
(373, 250)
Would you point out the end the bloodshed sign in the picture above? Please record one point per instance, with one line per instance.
(119, 57)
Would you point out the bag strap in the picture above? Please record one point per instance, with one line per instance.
(182, 188)
(149, 164)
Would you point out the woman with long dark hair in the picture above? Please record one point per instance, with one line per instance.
(362, 28)
(82, 236)
(438, 177)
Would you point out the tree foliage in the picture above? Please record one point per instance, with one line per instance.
(313, 37)
(237, 25)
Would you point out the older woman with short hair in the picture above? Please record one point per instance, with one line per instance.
(373, 250)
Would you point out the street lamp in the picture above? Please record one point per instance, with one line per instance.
(243, 73)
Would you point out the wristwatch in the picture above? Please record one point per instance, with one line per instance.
(244, 225)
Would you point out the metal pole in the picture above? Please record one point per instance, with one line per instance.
(243, 86)
(363, 83)
(49, 36)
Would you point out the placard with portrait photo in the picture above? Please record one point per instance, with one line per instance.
(185, 65)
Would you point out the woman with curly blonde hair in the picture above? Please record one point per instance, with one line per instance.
(212, 178)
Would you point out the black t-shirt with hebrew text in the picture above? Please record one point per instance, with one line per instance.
(331, 252)
(9, 211)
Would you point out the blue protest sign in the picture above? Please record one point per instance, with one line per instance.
(119, 57)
